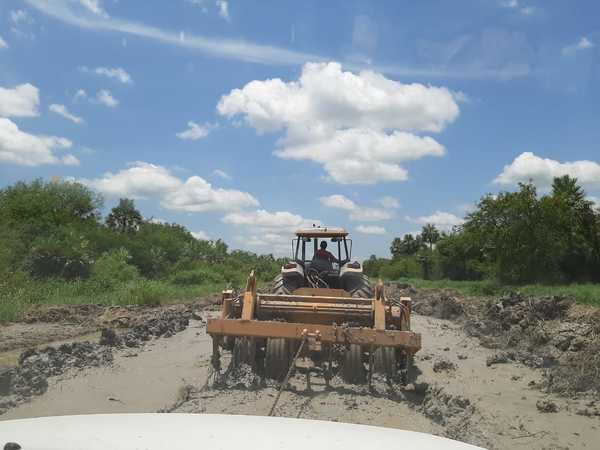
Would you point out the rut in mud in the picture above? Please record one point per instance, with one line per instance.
(484, 375)
(35, 366)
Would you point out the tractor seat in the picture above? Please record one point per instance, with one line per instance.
(321, 265)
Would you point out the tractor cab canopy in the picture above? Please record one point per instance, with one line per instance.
(322, 232)
(340, 246)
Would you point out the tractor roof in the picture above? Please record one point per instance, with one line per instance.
(323, 232)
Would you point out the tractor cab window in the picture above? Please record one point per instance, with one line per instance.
(337, 250)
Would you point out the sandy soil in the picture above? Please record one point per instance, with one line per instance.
(457, 394)
(140, 380)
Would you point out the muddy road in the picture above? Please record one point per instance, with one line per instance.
(474, 384)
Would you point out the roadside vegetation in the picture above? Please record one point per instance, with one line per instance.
(56, 247)
(537, 244)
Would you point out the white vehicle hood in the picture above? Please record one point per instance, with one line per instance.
(208, 431)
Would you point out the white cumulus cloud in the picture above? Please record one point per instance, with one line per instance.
(105, 97)
(583, 44)
(223, 7)
(355, 212)
(359, 127)
(338, 201)
(265, 220)
(273, 230)
(19, 147)
(195, 131)
(79, 95)
(442, 220)
(3, 43)
(201, 235)
(370, 229)
(145, 180)
(20, 101)
(70, 160)
(116, 73)
(62, 110)
(542, 171)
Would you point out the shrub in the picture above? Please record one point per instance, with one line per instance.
(401, 268)
(147, 293)
(113, 268)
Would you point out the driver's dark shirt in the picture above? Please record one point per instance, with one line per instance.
(324, 254)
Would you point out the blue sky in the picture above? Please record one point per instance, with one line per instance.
(243, 120)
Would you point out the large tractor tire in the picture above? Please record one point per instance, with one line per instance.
(278, 286)
(353, 369)
(384, 362)
(364, 289)
(277, 358)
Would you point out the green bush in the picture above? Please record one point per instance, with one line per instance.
(113, 268)
(401, 268)
(148, 293)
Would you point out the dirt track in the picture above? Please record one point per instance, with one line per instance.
(460, 392)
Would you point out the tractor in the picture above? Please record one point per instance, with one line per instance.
(324, 309)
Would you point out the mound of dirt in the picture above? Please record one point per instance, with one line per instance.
(550, 332)
(442, 307)
(240, 377)
(63, 313)
(443, 365)
(166, 324)
(30, 377)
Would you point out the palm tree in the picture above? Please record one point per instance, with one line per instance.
(566, 188)
(430, 235)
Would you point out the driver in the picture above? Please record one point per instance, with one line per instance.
(322, 253)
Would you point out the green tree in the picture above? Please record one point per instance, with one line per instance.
(124, 217)
(408, 245)
(40, 207)
(577, 225)
(51, 221)
(518, 234)
(430, 235)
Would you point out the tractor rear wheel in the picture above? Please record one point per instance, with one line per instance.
(277, 358)
(363, 289)
(384, 362)
(353, 370)
(278, 286)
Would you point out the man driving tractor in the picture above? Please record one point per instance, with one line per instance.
(323, 253)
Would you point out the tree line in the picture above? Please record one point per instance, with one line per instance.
(56, 230)
(515, 237)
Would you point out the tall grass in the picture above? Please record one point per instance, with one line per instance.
(17, 297)
(587, 294)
